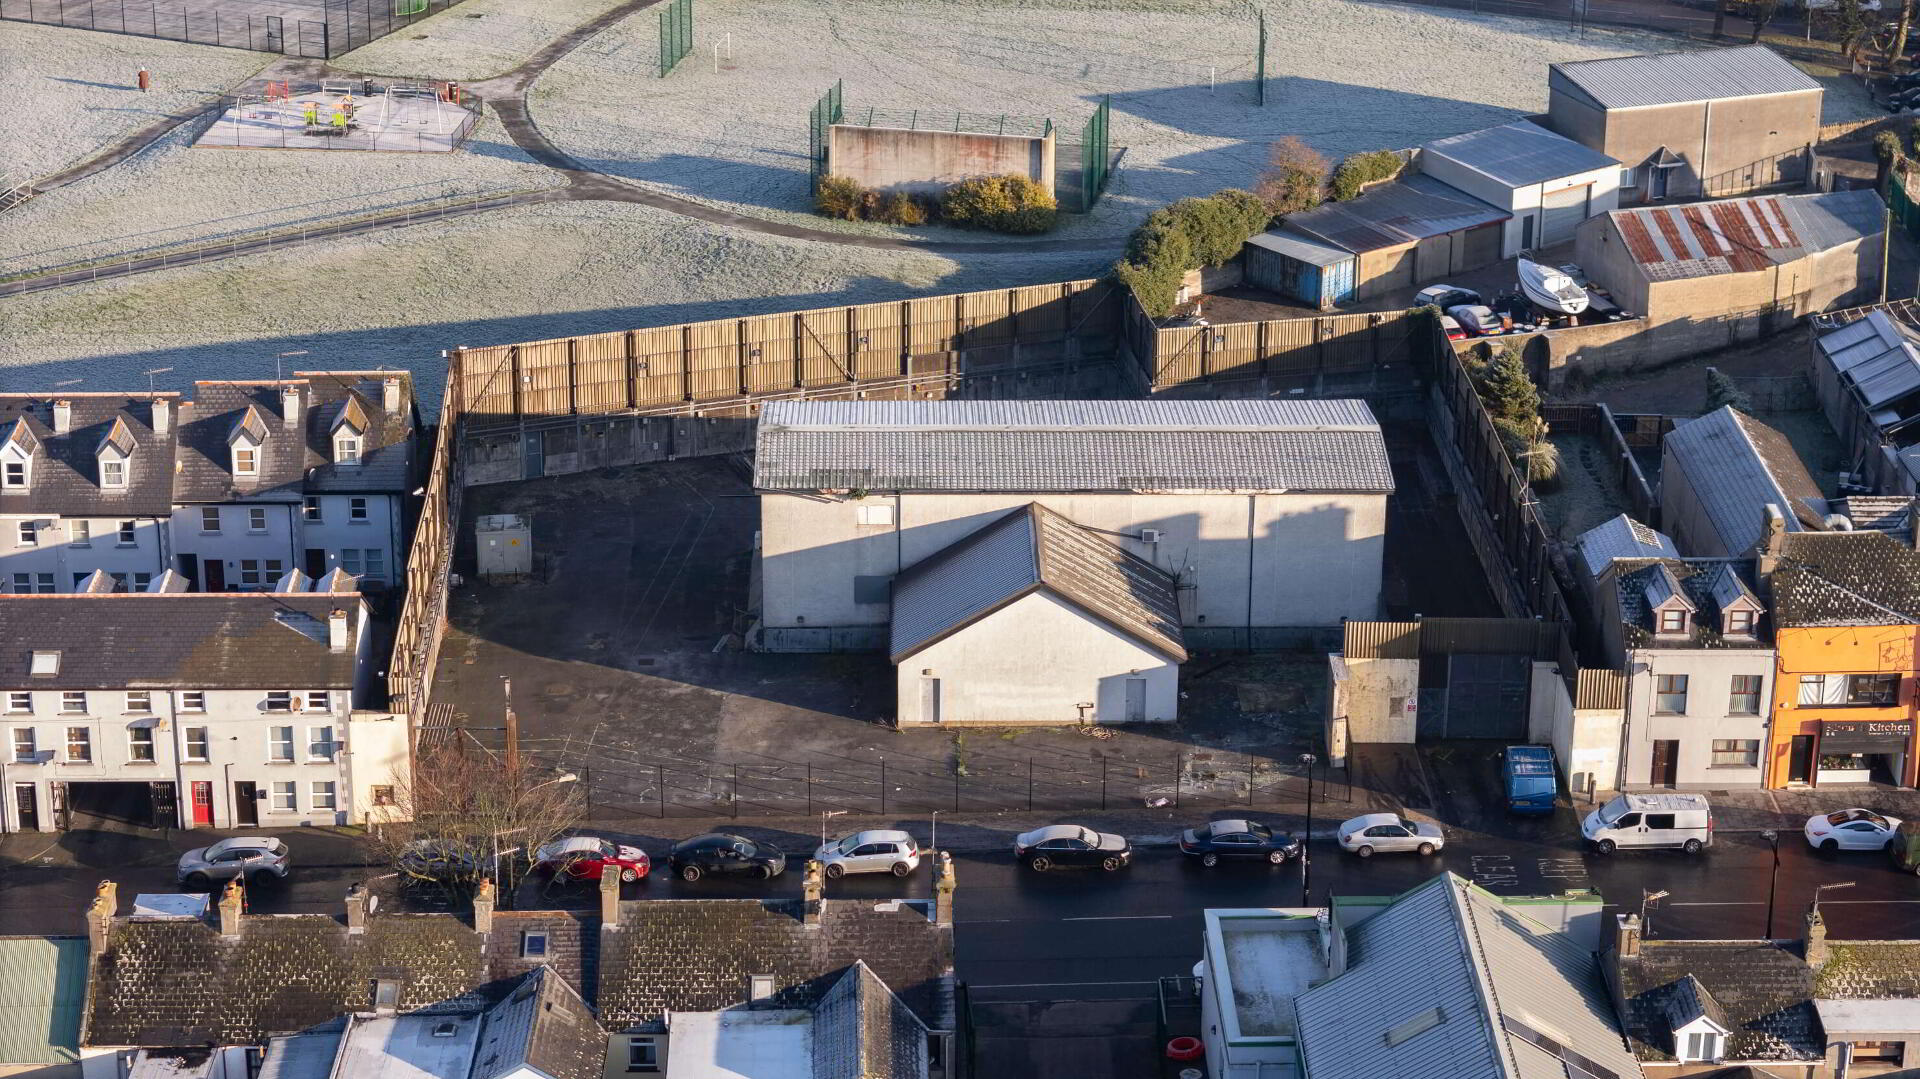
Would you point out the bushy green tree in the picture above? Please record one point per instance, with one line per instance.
(1001, 203)
(1359, 170)
(1505, 388)
(1158, 258)
(1723, 391)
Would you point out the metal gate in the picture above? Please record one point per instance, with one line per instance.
(1486, 696)
(313, 39)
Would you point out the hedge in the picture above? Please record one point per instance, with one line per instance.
(1359, 170)
(1188, 234)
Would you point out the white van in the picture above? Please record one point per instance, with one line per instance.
(1651, 820)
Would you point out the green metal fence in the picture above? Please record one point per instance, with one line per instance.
(1094, 156)
(676, 34)
(1900, 200)
(827, 112)
(1260, 61)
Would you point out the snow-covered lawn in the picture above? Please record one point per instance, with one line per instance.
(1344, 75)
(173, 193)
(473, 40)
(67, 94)
(401, 297)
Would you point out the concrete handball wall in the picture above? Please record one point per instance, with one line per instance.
(1261, 560)
(1379, 699)
(1710, 674)
(1033, 662)
(927, 162)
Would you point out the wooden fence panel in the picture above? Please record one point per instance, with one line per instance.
(546, 379)
(1041, 310)
(713, 360)
(878, 334)
(1233, 350)
(770, 356)
(486, 381)
(986, 318)
(600, 373)
(1346, 343)
(1178, 352)
(931, 324)
(1291, 348)
(659, 365)
(823, 347)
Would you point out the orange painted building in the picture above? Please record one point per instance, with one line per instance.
(1847, 631)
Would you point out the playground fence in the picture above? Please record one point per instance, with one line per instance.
(338, 26)
(403, 118)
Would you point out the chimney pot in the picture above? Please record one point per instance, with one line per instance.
(609, 900)
(337, 629)
(390, 394)
(1626, 938)
(230, 904)
(483, 900)
(292, 401)
(943, 885)
(106, 902)
(813, 890)
(162, 415)
(357, 904)
(62, 416)
(1817, 951)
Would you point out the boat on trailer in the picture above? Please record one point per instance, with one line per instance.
(1551, 289)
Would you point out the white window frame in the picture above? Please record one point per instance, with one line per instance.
(198, 749)
(209, 519)
(346, 449)
(310, 509)
(323, 794)
(320, 736)
(527, 937)
(1740, 623)
(19, 702)
(317, 700)
(1673, 620)
(876, 515)
(277, 700)
(85, 741)
(79, 532)
(292, 791)
(246, 460)
(193, 700)
(113, 473)
(128, 534)
(26, 747)
(25, 473)
(358, 511)
(140, 702)
(139, 738)
(256, 519)
(374, 564)
(67, 700)
(279, 749)
(643, 1054)
(27, 535)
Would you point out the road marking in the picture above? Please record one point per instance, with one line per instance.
(1054, 985)
(1118, 918)
(980, 921)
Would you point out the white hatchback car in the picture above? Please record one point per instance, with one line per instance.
(1851, 829)
(1385, 832)
(870, 852)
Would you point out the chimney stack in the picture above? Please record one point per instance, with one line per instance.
(609, 900)
(483, 908)
(358, 904)
(1626, 936)
(292, 402)
(106, 901)
(337, 629)
(230, 909)
(390, 394)
(1773, 535)
(1817, 952)
(813, 887)
(162, 415)
(62, 416)
(943, 884)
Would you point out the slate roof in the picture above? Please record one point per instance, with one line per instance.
(1707, 584)
(1033, 446)
(294, 458)
(1870, 969)
(542, 1024)
(1519, 154)
(1737, 466)
(188, 640)
(1621, 537)
(386, 452)
(573, 946)
(1671, 243)
(697, 955)
(1764, 990)
(1624, 82)
(1892, 514)
(1028, 550)
(1846, 579)
(43, 983)
(1876, 356)
(1405, 211)
(1490, 970)
(65, 475)
(860, 1028)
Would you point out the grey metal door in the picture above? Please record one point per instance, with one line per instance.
(1136, 700)
(1561, 212)
(1487, 696)
(930, 700)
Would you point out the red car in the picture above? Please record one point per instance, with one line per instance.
(586, 857)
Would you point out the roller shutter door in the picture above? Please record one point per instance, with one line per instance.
(1482, 247)
(1562, 212)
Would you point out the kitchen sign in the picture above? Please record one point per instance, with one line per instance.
(1866, 736)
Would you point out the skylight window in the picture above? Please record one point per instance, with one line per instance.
(46, 664)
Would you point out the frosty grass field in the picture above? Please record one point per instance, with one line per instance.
(1345, 76)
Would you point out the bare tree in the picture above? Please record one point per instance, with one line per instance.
(468, 809)
(1762, 13)
(1899, 50)
(1295, 179)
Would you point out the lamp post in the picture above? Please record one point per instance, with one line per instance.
(1819, 888)
(1773, 878)
(1306, 838)
(824, 814)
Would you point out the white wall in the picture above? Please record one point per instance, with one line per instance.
(1524, 201)
(236, 542)
(1306, 560)
(336, 530)
(377, 756)
(1380, 699)
(1586, 742)
(1034, 661)
(1709, 674)
(58, 554)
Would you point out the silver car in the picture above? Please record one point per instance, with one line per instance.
(870, 852)
(1390, 832)
(257, 858)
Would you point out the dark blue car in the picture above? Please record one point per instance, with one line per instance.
(1530, 779)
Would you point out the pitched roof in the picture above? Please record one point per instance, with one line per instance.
(1736, 466)
(1505, 988)
(542, 1024)
(65, 477)
(42, 987)
(1671, 243)
(1405, 211)
(1669, 78)
(1878, 357)
(1033, 446)
(386, 439)
(860, 1028)
(295, 458)
(1300, 248)
(1763, 989)
(1621, 537)
(1519, 153)
(573, 946)
(1892, 514)
(1032, 549)
(1870, 969)
(1706, 584)
(697, 954)
(1846, 579)
(188, 640)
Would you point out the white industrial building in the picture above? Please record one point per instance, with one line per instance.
(1549, 183)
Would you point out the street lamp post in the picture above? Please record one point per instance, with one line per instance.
(1647, 898)
(1306, 838)
(1819, 888)
(1773, 878)
(824, 814)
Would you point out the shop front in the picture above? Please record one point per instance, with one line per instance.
(1863, 751)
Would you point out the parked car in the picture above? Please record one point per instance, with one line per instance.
(1238, 840)
(1069, 845)
(1452, 327)
(1389, 833)
(1477, 319)
(258, 858)
(1530, 779)
(586, 857)
(1851, 829)
(869, 852)
(721, 853)
(1905, 848)
(1651, 820)
(439, 861)
(1445, 296)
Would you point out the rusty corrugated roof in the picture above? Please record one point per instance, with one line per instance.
(1741, 235)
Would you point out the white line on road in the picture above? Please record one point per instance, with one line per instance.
(1055, 985)
(1121, 918)
(980, 921)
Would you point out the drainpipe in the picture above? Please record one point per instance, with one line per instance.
(1706, 134)
(1251, 503)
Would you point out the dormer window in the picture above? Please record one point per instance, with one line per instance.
(346, 448)
(1740, 623)
(1673, 620)
(1700, 1045)
(13, 474)
(246, 460)
(113, 474)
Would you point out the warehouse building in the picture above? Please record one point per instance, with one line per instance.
(1410, 230)
(1866, 374)
(1546, 183)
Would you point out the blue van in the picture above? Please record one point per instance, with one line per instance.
(1530, 779)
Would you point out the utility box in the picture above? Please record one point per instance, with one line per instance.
(505, 545)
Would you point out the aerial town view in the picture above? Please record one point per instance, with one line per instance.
(959, 539)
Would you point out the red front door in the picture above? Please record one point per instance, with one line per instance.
(202, 804)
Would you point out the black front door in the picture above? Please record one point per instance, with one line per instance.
(29, 806)
(1657, 178)
(316, 562)
(1800, 759)
(1666, 763)
(216, 575)
(246, 808)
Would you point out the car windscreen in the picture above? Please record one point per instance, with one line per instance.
(1090, 837)
(1259, 831)
(1613, 811)
(849, 845)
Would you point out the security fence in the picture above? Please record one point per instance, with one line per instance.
(321, 29)
(676, 34)
(1094, 149)
(979, 123)
(1292, 349)
(827, 112)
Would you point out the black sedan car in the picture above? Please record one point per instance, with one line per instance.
(1069, 845)
(720, 853)
(1238, 840)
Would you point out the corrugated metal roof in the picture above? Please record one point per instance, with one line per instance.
(1738, 235)
(1301, 248)
(1034, 548)
(1622, 537)
(1737, 465)
(1405, 211)
(1520, 153)
(1877, 355)
(1624, 82)
(1021, 446)
(43, 985)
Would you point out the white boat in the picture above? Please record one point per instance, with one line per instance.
(1551, 289)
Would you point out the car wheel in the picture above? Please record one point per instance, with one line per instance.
(1040, 864)
(1209, 860)
(901, 869)
(1363, 851)
(1112, 862)
(689, 873)
(1425, 849)
(1606, 846)
(628, 874)
(1693, 846)
(764, 872)
(1277, 857)
(835, 871)
(1829, 846)
(198, 882)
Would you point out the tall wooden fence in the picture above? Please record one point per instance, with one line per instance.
(423, 609)
(1287, 349)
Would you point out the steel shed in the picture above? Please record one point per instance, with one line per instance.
(1300, 268)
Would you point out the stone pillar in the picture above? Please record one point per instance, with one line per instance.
(943, 885)
(1626, 937)
(610, 898)
(106, 902)
(230, 903)
(813, 888)
(1816, 938)
(483, 901)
